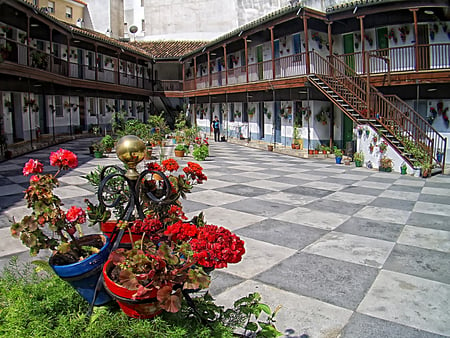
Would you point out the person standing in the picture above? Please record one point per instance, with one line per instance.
(216, 126)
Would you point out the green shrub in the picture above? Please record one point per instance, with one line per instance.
(200, 152)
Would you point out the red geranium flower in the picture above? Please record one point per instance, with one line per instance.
(32, 167)
(170, 165)
(154, 166)
(76, 214)
(64, 159)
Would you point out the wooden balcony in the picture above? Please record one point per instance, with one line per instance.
(387, 62)
(18, 57)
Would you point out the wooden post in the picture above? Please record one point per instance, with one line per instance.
(305, 30)
(246, 57)
(363, 42)
(273, 52)
(416, 40)
(225, 62)
(208, 58)
(195, 72)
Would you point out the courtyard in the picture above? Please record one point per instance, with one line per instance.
(346, 251)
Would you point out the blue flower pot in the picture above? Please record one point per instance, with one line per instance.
(338, 160)
(83, 275)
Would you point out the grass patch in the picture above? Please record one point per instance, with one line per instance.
(40, 304)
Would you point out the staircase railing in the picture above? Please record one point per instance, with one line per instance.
(342, 80)
(405, 126)
(440, 142)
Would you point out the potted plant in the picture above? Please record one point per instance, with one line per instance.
(169, 257)
(317, 148)
(108, 143)
(77, 259)
(98, 149)
(338, 155)
(324, 149)
(383, 146)
(358, 157)
(403, 168)
(426, 169)
(201, 149)
(181, 150)
(385, 164)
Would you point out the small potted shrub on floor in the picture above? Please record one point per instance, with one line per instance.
(385, 164)
(181, 150)
(76, 258)
(98, 149)
(358, 157)
(338, 155)
(108, 143)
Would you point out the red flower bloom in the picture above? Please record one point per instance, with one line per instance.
(154, 166)
(180, 231)
(64, 159)
(32, 167)
(170, 165)
(76, 214)
(34, 178)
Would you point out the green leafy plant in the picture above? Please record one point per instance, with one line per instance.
(182, 147)
(200, 152)
(358, 156)
(337, 152)
(252, 308)
(108, 141)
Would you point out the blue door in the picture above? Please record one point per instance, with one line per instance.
(277, 121)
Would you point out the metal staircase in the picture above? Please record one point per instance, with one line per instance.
(403, 128)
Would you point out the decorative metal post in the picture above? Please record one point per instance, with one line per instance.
(119, 186)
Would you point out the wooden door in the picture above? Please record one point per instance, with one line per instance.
(349, 50)
(424, 49)
(259, 56)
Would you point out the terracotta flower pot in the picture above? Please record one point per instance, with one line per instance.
(179, 153)
(108, 228)
(141, 308)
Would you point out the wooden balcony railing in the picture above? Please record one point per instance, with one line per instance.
(385, 61)
(291, 65)
(400, 59)
(70, 65)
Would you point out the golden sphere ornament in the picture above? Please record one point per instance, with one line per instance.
(130, 150)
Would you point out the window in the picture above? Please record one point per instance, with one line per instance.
(90, 59)
(100, 62)
(297, 47)
(91, 107)
(142, 3)
(69, 12)
(36, 2)
(59, 106)
(143, 25)
(40, 44)
(51, 7)
(102, 107)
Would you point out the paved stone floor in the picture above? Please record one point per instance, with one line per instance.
(347, 252)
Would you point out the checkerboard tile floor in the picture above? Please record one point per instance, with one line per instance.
(347, 252)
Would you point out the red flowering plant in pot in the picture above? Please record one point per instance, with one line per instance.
(49, 226)
(170, 256)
